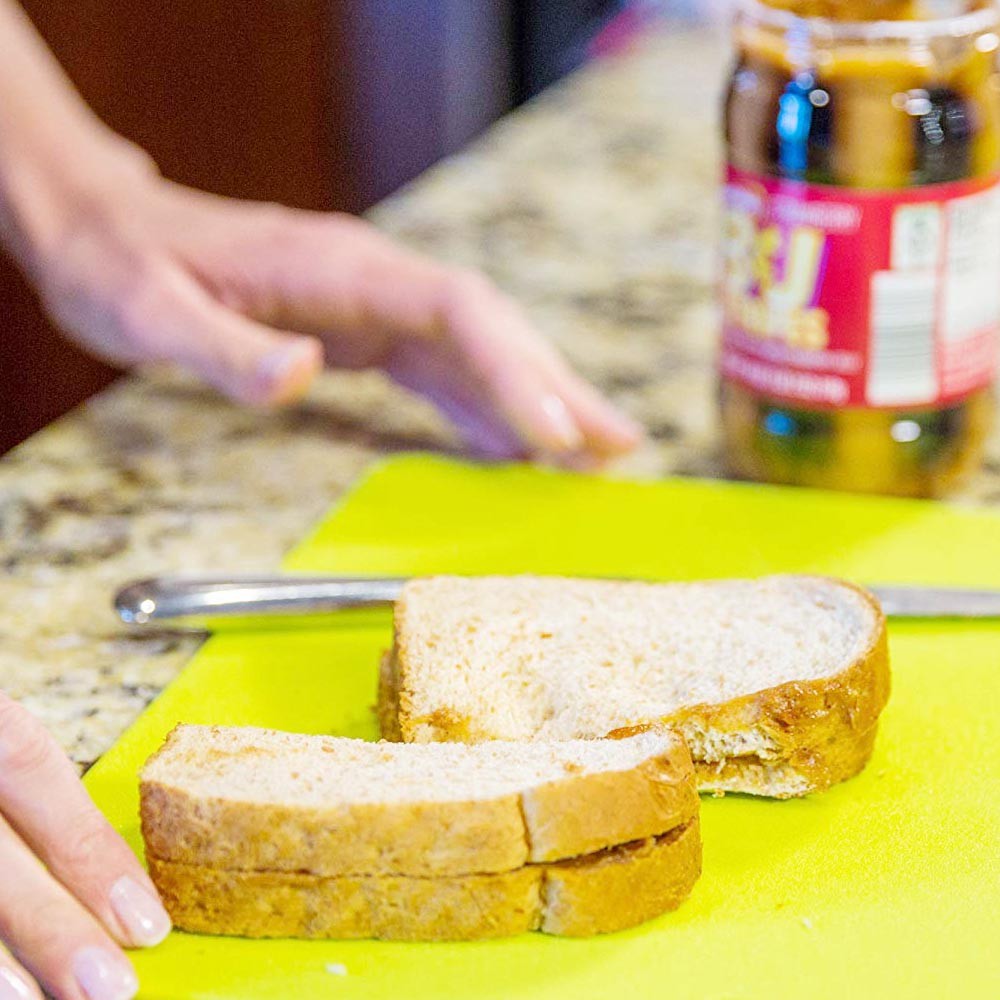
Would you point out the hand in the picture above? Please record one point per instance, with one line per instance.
(253, 297)
(71, 891)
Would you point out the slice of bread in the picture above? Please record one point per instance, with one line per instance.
(776, 684)
(258, 800)
(603, 892)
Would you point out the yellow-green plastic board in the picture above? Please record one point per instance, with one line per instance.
(885, 887)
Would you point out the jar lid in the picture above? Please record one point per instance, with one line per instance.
(939, 25)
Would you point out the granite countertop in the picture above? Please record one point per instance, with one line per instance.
(594, 205)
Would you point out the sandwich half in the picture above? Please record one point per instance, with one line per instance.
(776, 684)
(260, 833)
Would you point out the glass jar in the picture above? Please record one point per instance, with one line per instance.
(861, 288)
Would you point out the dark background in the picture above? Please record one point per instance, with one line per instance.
(314, 103)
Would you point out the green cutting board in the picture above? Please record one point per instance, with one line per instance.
(887, 886)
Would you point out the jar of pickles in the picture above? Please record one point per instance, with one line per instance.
(861, 284)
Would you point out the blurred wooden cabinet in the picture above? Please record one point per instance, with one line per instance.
(325, 104)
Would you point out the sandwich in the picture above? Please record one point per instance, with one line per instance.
(260, 833)
(776, 684)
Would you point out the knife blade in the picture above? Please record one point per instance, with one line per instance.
(198, 603)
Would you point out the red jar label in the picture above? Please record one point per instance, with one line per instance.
(839, 297)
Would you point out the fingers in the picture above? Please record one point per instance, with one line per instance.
(606, 429)
(42, 799)
(554, 410)
(378, 303)
(176, 320)
(15, 982)
(52, 935)
(483, 428)
(326, 275)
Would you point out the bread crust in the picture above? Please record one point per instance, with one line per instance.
(609, 891)
(598, 894)
(387, 705)
(577, 814)
(817, 733)
(589, 812)
(805, 735)
(209, 900)
(424, 838)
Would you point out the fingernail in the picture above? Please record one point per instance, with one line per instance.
(140, 911)
(275, 366)
(13, 986)
(104, 976)
(562, 427)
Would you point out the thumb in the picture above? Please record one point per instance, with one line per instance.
(245, 360)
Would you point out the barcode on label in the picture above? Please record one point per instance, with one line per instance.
(901, 361)
(972, 277)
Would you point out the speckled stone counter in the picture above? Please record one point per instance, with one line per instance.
(594, 205)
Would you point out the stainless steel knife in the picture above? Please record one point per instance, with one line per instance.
(199, 603)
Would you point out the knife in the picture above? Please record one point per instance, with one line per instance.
(198, 603)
